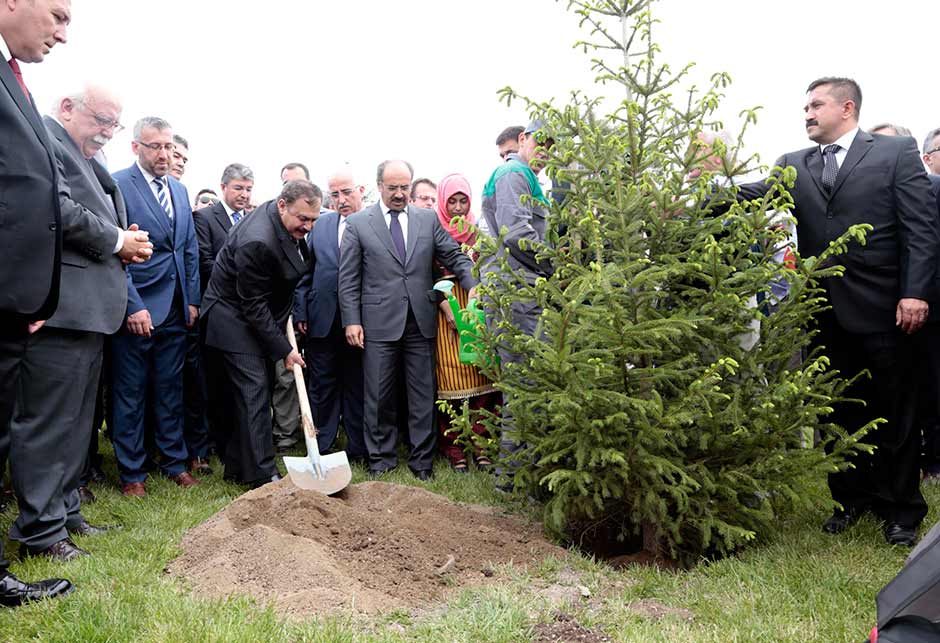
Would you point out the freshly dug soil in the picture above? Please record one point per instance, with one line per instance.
(374, 547)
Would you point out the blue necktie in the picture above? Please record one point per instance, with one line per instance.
(163, 196)
(398, 237)
(831, 168)
(236, 217)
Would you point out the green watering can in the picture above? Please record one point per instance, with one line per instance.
(468, 320)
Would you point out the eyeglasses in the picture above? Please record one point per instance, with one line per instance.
(156, 147)
(936, 149)
(426, 198)
(103, 121)
(346, 192)
(397, 188)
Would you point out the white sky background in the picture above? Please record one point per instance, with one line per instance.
(264, 83)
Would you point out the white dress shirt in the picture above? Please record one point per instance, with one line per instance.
(402, 219)
(148, 177)
(844, 142)
(341, 229)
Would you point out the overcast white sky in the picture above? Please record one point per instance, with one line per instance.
(264, 83)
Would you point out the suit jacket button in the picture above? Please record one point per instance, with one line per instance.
(52, 227)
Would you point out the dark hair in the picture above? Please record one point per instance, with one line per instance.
(301, 189)
(842, 88)
(291, 166)
(414, 186)
(204, 191)
(179, 140)
(380, 172)
(511, 133)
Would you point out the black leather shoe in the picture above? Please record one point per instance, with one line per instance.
(260, 483)
(14, 592)
(62, 551)
(423, 474)
(839, 521)
(376, 474)
(85, 496)
(898, 534)
(95, 474)
(87, 529)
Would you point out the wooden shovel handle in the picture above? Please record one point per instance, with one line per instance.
(306, 415)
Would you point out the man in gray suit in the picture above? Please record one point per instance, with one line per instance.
(56, 397)
(390, 310)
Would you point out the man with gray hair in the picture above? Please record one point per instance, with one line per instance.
(163, 300)
(932, 151)
(889, 129)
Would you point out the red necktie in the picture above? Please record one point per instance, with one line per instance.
(15, 66)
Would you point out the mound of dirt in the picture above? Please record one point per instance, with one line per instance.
(375, 547)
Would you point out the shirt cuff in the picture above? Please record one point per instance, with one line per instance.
(120, 241)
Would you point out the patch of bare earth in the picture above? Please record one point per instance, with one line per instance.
(374, 547)
(564, 628)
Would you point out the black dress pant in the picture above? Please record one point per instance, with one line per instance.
(888, 481)
(379, 364)
(49, 431)
(249, 446)
(13, 336)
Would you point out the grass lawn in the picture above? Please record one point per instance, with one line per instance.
(802, 585)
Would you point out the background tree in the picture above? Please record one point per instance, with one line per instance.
(643, 408)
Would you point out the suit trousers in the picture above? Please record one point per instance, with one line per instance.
(928, 344)
(888, 481)
(335, 390)
(155, 364)
(195, 424)
(49, 432)
(249, 448)
(285, 408)
(379, 362)
(101, 415)
(13, 341)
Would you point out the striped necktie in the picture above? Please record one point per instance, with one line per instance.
(163, 196)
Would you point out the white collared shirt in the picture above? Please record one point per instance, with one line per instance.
(229, 211)
(4, 50)
(844, 142)
(341, 228)
(402, 219)
(148, 177)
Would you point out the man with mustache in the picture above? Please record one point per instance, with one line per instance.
(163, 300)
(390, 310)
(852, 177)
(335, 382)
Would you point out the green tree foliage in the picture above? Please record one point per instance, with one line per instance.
(638, 402)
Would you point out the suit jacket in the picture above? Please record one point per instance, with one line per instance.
(93, 293)
(881, 182)
(30, 222)
(251, 291)
(376, 288)
(175, 260)
(212, 227)
(316, 300)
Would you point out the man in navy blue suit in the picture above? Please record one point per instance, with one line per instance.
(163, 300)
(335, 383)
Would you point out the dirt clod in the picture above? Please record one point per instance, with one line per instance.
(376, 547)
(565, 629)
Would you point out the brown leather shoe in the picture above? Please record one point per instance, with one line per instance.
(85, 528)
(62, 551)
(200, 466)
(185, 479)
(134, 489)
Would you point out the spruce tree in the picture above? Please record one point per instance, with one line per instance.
(639, 404)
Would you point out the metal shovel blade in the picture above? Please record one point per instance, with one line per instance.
(333, 476)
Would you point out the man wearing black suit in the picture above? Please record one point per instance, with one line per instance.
(30, 237)
(214, 222)
(246, 306)
(851, 177)
(390, 310)
(335, 382)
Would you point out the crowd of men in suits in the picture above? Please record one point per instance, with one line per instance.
(193, 300)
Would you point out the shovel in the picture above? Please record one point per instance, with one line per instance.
(327, 474)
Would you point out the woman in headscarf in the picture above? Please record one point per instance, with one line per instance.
(457, 381)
